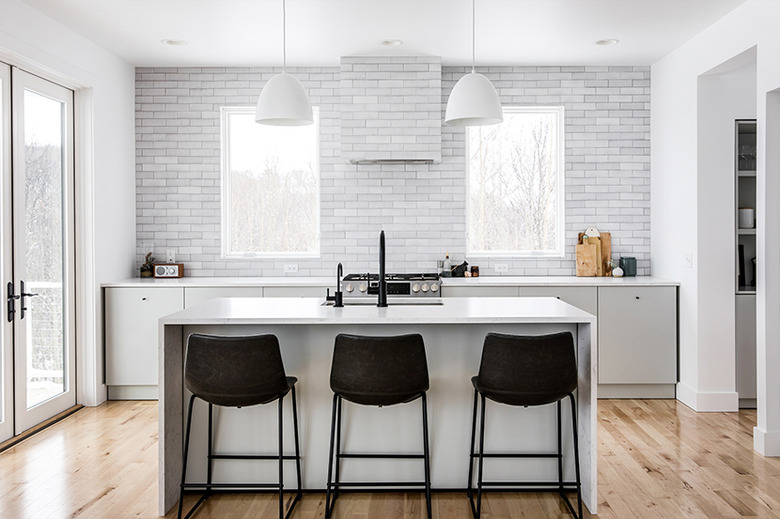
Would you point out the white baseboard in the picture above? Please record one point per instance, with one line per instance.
(706, 402)
(766, 443)
(642, 391)
(132, 392)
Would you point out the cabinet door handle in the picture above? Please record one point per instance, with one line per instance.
(557, 297)
(144, 299)
(637, 297)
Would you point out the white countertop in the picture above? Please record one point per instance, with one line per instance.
(301, 281)
(192, 282)
(309, 310)
(494, 281)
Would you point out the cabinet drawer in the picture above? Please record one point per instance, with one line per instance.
(637, 335)
(296, 291)
(194, 296)
(132, 332)
(478, 291)
(584, 298)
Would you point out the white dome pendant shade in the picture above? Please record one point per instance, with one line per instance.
(283, 100)
(473, 102)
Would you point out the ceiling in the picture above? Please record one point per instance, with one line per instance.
(249, 32)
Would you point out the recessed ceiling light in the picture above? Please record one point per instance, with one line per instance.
(610, 41)
(391, 43)
(175, 43)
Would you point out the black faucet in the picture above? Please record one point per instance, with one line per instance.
(338, 300)
(382, 298)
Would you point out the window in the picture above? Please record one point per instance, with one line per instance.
(270, 187)
(515, 184)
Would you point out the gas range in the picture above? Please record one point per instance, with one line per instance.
(408, 285)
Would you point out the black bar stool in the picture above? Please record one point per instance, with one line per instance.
(377, 371)
(237, 372)
(525, 371)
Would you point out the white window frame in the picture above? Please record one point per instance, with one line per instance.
(226, 111)
(559, 251)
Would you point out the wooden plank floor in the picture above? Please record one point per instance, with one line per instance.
(657, 459)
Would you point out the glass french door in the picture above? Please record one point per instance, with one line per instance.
(39, 289)
(6, 333)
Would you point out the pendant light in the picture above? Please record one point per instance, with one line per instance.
(474, 101)
(283, 100)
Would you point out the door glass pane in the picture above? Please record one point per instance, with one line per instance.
(44, 172)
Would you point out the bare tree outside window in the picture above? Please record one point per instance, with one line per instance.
(270, 187)
(516, 184)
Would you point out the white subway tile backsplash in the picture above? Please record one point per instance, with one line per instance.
(421, 208)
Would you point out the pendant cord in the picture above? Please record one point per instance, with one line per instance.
(284, 36)
(473, 36)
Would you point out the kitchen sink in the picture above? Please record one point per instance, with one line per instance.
(391, 301)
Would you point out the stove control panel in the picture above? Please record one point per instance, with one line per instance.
(408, 285)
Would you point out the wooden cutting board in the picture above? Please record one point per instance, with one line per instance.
(588, 259)
(606, 252)
(594, 259)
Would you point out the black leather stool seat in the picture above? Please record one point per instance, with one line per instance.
(520, 370)
(377, 371)
(238, 372)
(529, 370)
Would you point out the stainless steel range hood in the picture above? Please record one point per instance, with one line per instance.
(391, 109)
(392, 162)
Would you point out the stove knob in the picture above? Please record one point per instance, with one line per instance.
(350, 287)
(362, 287)
(434, 287)
(425, 287)
(416, 288)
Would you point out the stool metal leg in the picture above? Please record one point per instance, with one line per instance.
(426, 456)
(184, 457)
(560, 451)
(472, 453)
(336, 488)
(481, 456)
(281, 460)
(328, 503)
(576, 454)
(209, 457)
(297, 449)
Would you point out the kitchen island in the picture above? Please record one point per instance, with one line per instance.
(453, 331)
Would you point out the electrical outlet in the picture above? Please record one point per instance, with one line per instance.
(290, 268)
(170, 256)
(688, 260)
(501, 267)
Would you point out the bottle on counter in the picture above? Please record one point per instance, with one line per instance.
(447, 271)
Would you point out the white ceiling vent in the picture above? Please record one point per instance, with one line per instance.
(391, 109)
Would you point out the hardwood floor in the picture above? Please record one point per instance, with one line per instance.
(657, 459)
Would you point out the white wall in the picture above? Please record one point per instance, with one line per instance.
(677, 216)
(723, 97)
(34, 42)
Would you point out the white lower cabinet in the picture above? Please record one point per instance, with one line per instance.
(584, 298)
(196, 295)
(132, 345)
(297, 291)
(746, 349)
(637, 330)
(473, 291)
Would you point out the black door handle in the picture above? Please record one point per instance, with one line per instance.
(11, 301)
(23, 295)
